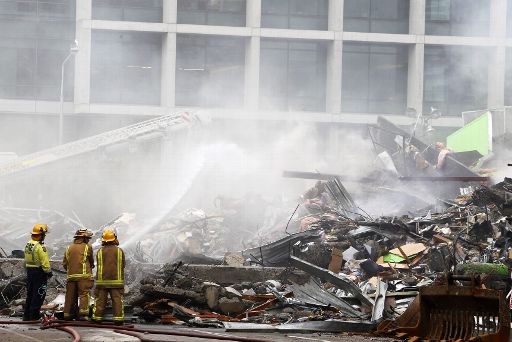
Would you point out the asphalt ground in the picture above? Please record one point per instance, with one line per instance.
(23, 332)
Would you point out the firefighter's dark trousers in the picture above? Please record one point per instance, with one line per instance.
(116, 294)
(77, 289)
(36, 292)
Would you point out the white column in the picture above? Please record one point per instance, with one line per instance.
(417, 17)
(170, 11)
(496, 71)
(82, 82)
(334, 57)
(168, 74)
(252, 55)
(335, 15)
(416, 65)
(253, 13)
(334, 76)
(415, 77)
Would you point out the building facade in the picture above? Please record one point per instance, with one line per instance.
(325, 61)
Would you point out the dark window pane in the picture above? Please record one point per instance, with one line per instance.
(374, 78)
(384, 16)
(509, 20)
(455, 78)
(210, 71)
(295, 14)
(125, 67)
(508, 78)
(127, 10)
(35, 37)
(457, 17)
(212, 12)
(292, 75)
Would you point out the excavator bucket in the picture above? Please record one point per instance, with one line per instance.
(456, 313)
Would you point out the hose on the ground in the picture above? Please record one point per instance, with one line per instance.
(72, 332)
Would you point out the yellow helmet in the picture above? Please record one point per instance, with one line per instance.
(108, 235)
(39, 228)
(83, 232)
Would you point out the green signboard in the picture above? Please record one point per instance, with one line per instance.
(476, 135)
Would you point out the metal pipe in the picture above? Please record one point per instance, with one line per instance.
(61, 113)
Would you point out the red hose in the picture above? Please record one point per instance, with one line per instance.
(72, 332)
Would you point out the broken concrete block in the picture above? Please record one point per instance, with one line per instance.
(350, 254)
(231, 305)
(234, 259)
(231, 292)
(211, 293)
(273, 284)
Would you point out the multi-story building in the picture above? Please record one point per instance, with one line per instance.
(325, 61)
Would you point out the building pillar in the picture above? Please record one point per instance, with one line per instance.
(334, 58)
(82, 81)
(415, 75)
(416, 61)
(168, 75)
(417, 17)
(496, 71)
(252, 55)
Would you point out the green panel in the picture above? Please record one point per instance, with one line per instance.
(393, 258)
(476, 135)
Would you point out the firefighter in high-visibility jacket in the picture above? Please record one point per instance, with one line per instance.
(109, 278)
(39, 271)
(78, 262)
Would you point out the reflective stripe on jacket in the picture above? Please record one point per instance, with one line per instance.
(78, 260)
(36, 255)
(111, 262)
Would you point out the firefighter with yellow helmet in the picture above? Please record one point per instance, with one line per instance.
(78, 262)
(39, 271)
(109, 278)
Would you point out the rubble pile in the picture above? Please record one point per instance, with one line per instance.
(341, 268)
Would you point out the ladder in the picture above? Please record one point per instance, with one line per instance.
(164, 123)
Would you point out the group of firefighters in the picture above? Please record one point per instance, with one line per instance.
(78, 262)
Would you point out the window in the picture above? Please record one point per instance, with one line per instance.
(210, 71)
(128, 10)
(125, 67)
(295, 14)
(212, 12)
(508, 78)
(455, 79)
(374, 78)
(457, 17)
(385, 16)
(292, 75)
(509, 19)
(35, 37)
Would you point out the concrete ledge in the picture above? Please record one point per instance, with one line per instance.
(227, 275)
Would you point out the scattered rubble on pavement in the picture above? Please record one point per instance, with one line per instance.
(329, 267)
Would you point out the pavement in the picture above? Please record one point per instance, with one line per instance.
(24, 332)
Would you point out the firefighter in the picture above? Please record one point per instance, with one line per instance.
(109, 278)
(39, 271)
(78, 262)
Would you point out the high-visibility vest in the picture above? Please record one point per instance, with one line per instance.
(110, 273)
(36, 255)
(78, 261)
